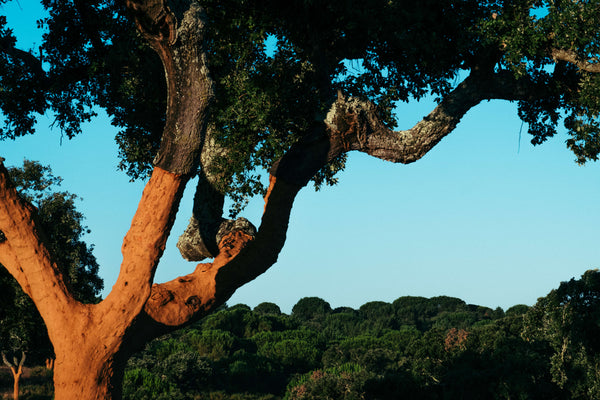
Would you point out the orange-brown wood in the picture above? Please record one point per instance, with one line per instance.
(17, 372)
(88, 339)
(50, 363)
(176, 302)
(89, 362)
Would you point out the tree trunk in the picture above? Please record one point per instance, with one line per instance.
(16, 377)
(86, 375)
(17, 370)
(88, 341)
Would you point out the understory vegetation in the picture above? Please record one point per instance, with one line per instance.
(411, 348)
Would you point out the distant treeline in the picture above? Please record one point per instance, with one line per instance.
(412, 348)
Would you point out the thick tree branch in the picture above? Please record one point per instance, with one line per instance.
(177, 36)
(241, 259)
(144, 244)
(572, 58)
(260, 254)
(98, 330)
(189, 297)
(350, 125)
(23, 254)
(353, 124)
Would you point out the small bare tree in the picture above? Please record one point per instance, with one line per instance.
(16, 368)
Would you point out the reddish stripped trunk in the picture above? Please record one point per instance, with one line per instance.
(88, 339)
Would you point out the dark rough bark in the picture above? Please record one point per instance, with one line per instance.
(177, 36)
(199, 239)
(354, 125)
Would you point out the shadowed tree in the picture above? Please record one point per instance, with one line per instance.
(311, 308)
(567, 320)
(267, 308)
(194, 92)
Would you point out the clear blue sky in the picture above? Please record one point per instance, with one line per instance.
(475, 218)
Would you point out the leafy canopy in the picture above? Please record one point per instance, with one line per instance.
(269, 97)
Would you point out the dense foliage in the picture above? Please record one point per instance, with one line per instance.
(414, 348)
(268, 97)
(21, 327)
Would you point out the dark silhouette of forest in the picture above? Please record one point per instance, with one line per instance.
(411, 348)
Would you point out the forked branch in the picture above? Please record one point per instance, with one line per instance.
(16, 367)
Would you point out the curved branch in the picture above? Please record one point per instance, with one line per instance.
(354, 125)
(178, 39)
(241, 258)
(350, 125)
(189, 297)
(572, 58)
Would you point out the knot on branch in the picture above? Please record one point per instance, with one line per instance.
(194, 303)
(240, 224)
(160, 296)
(350, 121)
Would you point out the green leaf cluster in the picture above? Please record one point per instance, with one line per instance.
(278, 65)
(568, 321)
